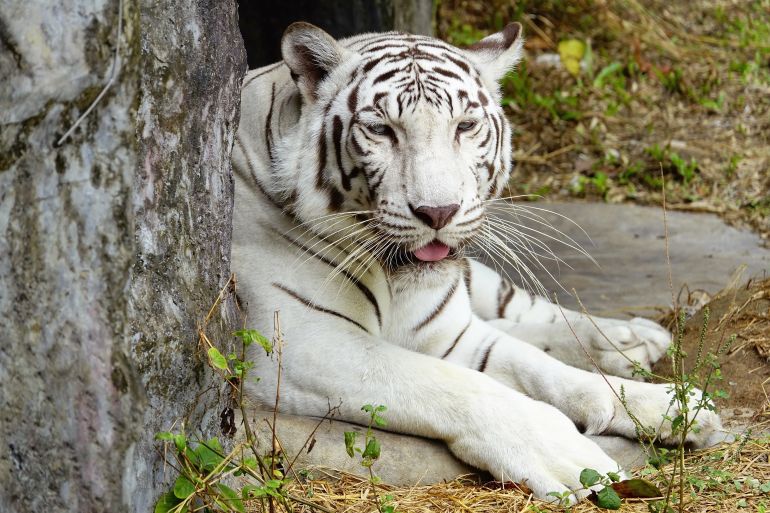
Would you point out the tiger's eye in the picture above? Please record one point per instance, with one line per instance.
(464, 126)
(378, 129)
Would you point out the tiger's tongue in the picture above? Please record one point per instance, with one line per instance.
(433, 252)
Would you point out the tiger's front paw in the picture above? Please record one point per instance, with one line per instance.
(638, 341)
(655, 407)
(531, 443)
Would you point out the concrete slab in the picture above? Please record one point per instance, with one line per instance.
(628, 244)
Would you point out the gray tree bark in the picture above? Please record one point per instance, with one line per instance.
(114, 244)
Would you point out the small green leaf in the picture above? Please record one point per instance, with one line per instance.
(614, 476)
(589, 477)
(208, 454)
(166, 503)
(253, 336)
(231, 498)
(180, 441)
(252, 492)
(273, 484)
(217, 360)
(765, 488)
(350, 442)
(164, 435)
(183, 487)
(372, 449)
(379, 421)
(605, 72)
(607, 498)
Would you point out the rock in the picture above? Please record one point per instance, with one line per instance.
(405, 460)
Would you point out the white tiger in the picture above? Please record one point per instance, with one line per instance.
(363, 167)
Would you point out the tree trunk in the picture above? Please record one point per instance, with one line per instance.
(113, 244)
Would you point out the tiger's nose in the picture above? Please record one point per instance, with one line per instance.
(435, 217)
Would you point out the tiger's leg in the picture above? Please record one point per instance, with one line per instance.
(483, 422)
(585, 397)
(547, 326)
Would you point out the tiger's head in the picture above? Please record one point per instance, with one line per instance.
(404, 132)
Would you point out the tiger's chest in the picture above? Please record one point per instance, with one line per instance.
(427, 309)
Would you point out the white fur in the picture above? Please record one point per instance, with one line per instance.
(517, 418)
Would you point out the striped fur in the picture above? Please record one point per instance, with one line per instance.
(338, 148)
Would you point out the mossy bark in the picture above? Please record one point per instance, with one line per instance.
(113, 245)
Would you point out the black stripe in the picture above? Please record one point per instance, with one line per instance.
(385, 76)
(369, 65)
(487, 138)
(268, 123)
(363, 288)
(460, 64)
(438, 308)
(337, 141)
(253, 174)
(310, 304)
(504, 297)
(467, 275)
(485, 358)
(446, 73)
(459, 336)
(353, 99)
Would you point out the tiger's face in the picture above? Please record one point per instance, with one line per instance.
(409, 134)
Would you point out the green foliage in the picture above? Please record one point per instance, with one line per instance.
(203, 465)
(370, 451)
(671, 162)
(249, 337)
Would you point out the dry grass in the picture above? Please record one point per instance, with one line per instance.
(731, 476)
(692, 79)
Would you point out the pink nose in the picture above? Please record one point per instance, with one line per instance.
(435, 217)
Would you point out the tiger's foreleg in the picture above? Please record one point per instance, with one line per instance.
(484, 422)
(611, 344)
(588, 399)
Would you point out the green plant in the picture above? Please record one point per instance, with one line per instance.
(686, 170)
(606, 497)
(370, 452)
(206, 471)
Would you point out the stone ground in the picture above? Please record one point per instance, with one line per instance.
(628, 244)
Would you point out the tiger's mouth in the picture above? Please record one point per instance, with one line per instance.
(431, 253)
(434, 251)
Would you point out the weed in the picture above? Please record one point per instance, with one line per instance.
(204, 467)
(370, 452)
(670, 161)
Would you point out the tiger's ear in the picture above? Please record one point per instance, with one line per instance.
(497, 54)
(311, 55)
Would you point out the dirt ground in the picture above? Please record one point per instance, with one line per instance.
(680, 89)
(742, 313)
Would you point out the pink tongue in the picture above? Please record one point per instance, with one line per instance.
(433, 252)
